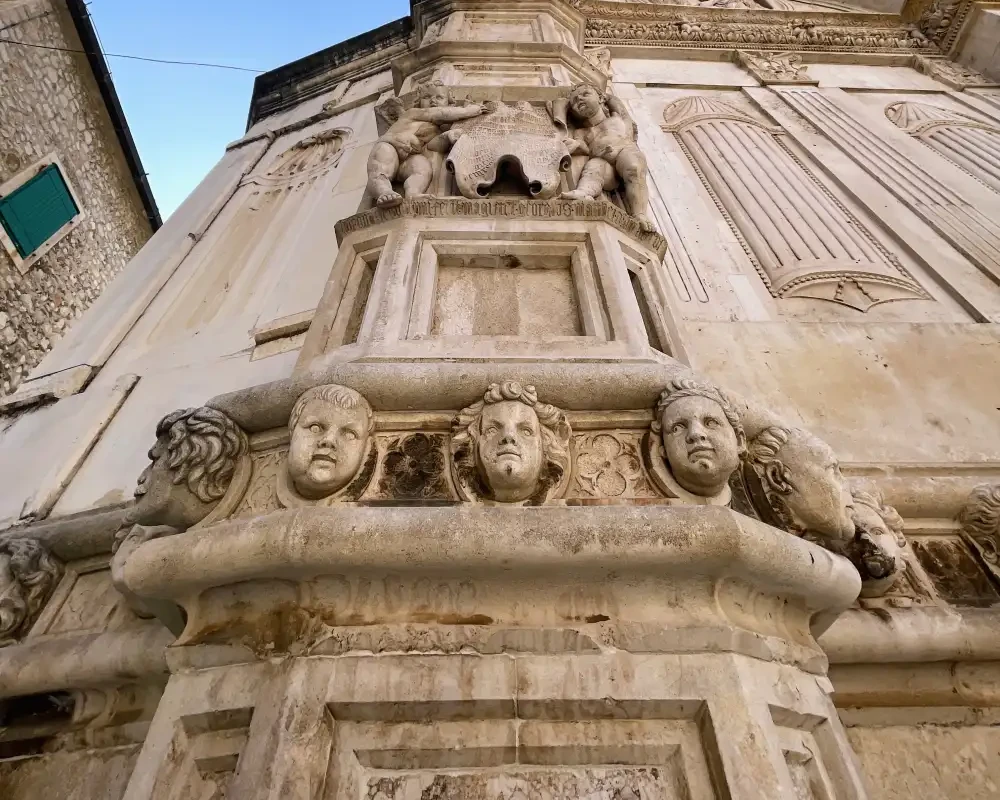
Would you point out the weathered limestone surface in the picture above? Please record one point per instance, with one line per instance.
(543, 399)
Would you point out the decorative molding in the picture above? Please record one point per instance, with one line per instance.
(955, 217)
(774, 68)
(971, 145)
(980, 526)
(801, 239)
(950, 73)
(509, 208)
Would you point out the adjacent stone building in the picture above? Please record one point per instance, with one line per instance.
(544, 399)
(73, 195)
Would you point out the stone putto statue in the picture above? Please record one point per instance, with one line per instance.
(329, 428)
(509, 447)
(400, 155)
(28, 574)
(697, 435)
(606, 133)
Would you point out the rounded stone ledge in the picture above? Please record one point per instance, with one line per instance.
(651, 579)
(509, 208)
(913, 635)
(85, 661)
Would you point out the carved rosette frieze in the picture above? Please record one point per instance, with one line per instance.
(801, 239)
(972, 145)
(28, 574)
(775, 68)
(980, 526)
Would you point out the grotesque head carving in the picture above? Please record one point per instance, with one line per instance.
(795, 481)
(195, 459)
(28, 573)
(703, 438)
(509, 447)
(329, 428)
(876, 549)
(433, 94)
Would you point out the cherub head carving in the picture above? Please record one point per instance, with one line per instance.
(702, 436)
(795, 482)
(28, 573)
(586, 102)
(433, 94)
(509, 447)
(329, 428)
(197, 456)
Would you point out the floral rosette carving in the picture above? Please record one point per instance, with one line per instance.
(414, 467)
(610, 466)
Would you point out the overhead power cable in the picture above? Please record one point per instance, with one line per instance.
(134, 58)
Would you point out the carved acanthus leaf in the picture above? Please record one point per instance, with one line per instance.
(774, 67)
(957, 76)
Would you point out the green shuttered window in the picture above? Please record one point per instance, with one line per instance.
(37, 209)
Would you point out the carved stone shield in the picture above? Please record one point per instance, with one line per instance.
(521, 136)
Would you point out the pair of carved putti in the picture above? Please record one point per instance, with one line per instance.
(603, 132)
(511, 448)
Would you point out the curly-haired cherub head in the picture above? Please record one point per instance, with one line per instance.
(796, 477)
(194, 460)
(329, 428)
(510, 447)
(28, 573)
(587, 102)
(703, 438)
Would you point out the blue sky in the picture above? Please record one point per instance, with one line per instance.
(182, 117)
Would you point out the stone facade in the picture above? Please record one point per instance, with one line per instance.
(51, 105)
(543, 399)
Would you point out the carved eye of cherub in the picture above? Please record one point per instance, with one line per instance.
(526, 430)
(316, 428)
(713, 422)
(350, 435)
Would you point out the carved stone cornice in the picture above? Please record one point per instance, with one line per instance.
(509, 208)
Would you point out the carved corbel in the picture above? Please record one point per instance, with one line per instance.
(775, 68)
(952, 74)
(28, 574)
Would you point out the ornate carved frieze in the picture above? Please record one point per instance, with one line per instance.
(958, 218)
(942, 20)
(683, 27)
(801, 239)
(970, 144)
(28, 574)
(771, 68)
(957, 76)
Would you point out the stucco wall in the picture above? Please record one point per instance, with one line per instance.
(50, 104)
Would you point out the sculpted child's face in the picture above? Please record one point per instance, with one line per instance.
(702, 448)
(436, 98)
(327, 447)
(585, 102)
(159, 501)
(510, 450)
(820, 501)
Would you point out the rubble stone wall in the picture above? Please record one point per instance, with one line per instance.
(50, 104)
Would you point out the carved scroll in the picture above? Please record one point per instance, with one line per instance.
(956, 217)
(802, 240)
(971, 145)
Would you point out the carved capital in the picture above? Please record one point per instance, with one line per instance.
(775, 68)
(28, 574)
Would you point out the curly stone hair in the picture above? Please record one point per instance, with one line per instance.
(981, 514)
(426, 90)
(555, 432)
(35, 573)
(679, 388)
(335, 394)
(202, 447)
(762, 456)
